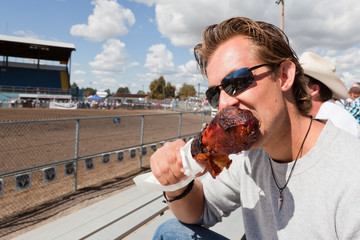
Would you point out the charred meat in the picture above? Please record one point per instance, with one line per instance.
(231, 131)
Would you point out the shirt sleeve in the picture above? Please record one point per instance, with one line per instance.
(222, 195)
(348, 213)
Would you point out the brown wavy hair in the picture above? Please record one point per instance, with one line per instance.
(269, 45)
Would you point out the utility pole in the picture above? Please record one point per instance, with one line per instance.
(199, 91)
(282, 12)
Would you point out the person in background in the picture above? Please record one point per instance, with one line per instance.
(354, 106)
(299, 180)
(324, 85)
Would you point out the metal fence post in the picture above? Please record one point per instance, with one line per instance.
(180, 119)
(76, 153)
(141, 140)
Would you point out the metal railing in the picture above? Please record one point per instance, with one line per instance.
(34, 90)
(42, 160)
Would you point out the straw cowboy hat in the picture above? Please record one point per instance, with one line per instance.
(323, 71)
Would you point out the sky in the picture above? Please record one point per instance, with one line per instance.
(129, 43)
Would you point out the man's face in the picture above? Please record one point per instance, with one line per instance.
(263, 97)
(353, 96)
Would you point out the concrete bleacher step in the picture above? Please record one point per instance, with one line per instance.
(147, 230)
(130, 214)
(231, 227)
(125, 226)
(112, 218)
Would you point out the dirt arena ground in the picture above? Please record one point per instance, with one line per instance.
(40, 143)
(18, 114)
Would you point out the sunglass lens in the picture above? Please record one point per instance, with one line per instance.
(212, 95)
(237, 84)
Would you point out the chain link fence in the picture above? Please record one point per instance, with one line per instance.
(44, 160)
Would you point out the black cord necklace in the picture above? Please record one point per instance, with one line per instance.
(280, 200)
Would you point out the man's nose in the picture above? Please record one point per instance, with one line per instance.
(226, 100)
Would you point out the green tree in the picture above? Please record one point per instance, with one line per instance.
(123, 90)
(159, 89)
(89, 90)
(141, 92)
(108, 92)
(186, 91)
(74, 85)
(170, 90)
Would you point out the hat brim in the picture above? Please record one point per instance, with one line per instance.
(329, 79)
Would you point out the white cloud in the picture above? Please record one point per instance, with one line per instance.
(108, 82)
(108, 20)
(109, 65)
(79, 82)
(323, 23)
(183, 21)
(76, 64)
(133, 64)
(79, 72)
(190, 68)
(330, 24)
(160, 59)
(26, 34)
(113, 57)
(347, 64)
(329, 28)
(187, 73)
(147, 2)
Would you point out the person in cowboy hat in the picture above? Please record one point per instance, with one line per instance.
(324, 86)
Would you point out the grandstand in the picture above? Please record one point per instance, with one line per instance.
(34, 70)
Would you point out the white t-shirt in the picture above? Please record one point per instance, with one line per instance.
(340, 117)
(321, 200)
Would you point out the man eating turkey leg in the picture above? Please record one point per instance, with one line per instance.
(299, 179)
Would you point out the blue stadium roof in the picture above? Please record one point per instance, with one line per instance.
(35, 48)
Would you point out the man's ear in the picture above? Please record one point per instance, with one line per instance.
(313, 89)
(287, 73)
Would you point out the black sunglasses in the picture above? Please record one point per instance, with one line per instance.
(232, 84)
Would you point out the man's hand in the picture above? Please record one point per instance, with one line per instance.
(166, 163)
